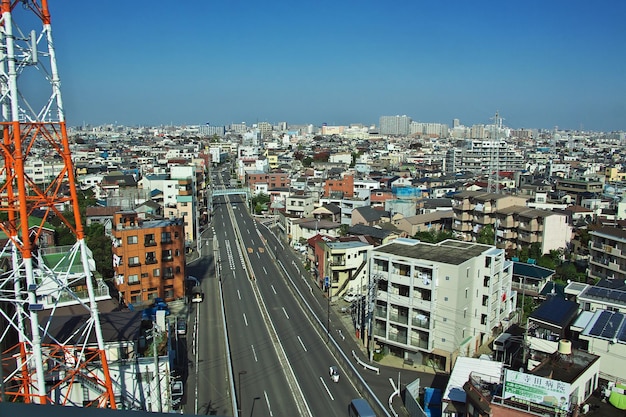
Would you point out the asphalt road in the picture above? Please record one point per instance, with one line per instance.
(279, 349)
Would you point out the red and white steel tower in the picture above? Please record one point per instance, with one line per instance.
(39, 365)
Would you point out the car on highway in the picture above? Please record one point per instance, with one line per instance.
(334, 373)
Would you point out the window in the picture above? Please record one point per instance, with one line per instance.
(166, 237)
(149, 240)
(133, 261)
(156, 272)
(151, 258)
(131, 240)
(167, 255)
(133, 279)
(168, 272)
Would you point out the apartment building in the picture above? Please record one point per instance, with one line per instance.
(340, 188)
(435, 302)
(344, 263)
(607, 254)
(473, 210)
(272, 179)
(520, 226)
(579, 188)
(148, 258)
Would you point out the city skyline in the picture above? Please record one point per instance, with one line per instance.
(538, 64)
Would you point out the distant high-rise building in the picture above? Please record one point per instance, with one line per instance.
(456, 123)
(394, 125)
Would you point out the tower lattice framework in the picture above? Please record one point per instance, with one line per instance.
(40, 363)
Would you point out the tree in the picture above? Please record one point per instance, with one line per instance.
(343, 229)
(101, 248)
(486, 235)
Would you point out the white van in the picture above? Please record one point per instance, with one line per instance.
(502, 342)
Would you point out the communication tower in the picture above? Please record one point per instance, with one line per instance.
(493, 182)
(41, 364)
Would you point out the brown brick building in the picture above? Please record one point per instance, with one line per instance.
(273, 179)
(343, 187)
(148, 258)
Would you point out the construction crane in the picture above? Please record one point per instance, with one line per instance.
(40, 364)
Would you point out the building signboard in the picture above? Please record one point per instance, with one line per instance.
(536, 390)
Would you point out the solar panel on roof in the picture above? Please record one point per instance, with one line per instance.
(622, 333)
(600, 292)
(612, 326)
(598, 326)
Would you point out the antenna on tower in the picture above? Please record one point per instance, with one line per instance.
(493, 183)
(39, 365)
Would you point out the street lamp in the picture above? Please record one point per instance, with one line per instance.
(239, 389)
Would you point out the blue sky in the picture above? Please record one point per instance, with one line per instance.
(539, 63)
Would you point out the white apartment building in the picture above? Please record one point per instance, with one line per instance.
(435, 302)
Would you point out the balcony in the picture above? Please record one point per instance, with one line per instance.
(400, 337)
(483, 219)
(419, 343)
(462, 226)
(463, 216)
(508, 223)
(134, 264)
(337, 262)
(528, 237)
(398, 318)
(530, 226)
(421, 321)
(463, 205)
(149, 243)
(166, 241)
(150, 261)
(168, 258)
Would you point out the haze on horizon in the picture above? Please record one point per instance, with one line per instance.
(539, 64)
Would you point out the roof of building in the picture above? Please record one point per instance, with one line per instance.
(101, 211)
(556, 311)
(375, 232)
(370, 214)
(526, 270)
(117, 326)
(449, 251)
(460, 374)
(351, 244)
(565, 368)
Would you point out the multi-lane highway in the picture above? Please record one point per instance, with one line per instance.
(279, 352)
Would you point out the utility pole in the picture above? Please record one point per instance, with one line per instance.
(157, 377)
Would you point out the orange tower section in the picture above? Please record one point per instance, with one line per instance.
(40, 363)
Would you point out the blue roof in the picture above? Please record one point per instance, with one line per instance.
(556, 310)
(531, 271)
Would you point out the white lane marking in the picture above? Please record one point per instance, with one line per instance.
(265, 270)
(285, 311)
(254, 353)
(302, 343)
(267, 400)
(327, 390)
(238, 294)
(273, 289)
(245, 319)
(258, 256)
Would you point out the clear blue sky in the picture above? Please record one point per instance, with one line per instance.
(539, 63)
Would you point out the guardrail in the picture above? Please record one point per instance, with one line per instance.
(365, 365)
